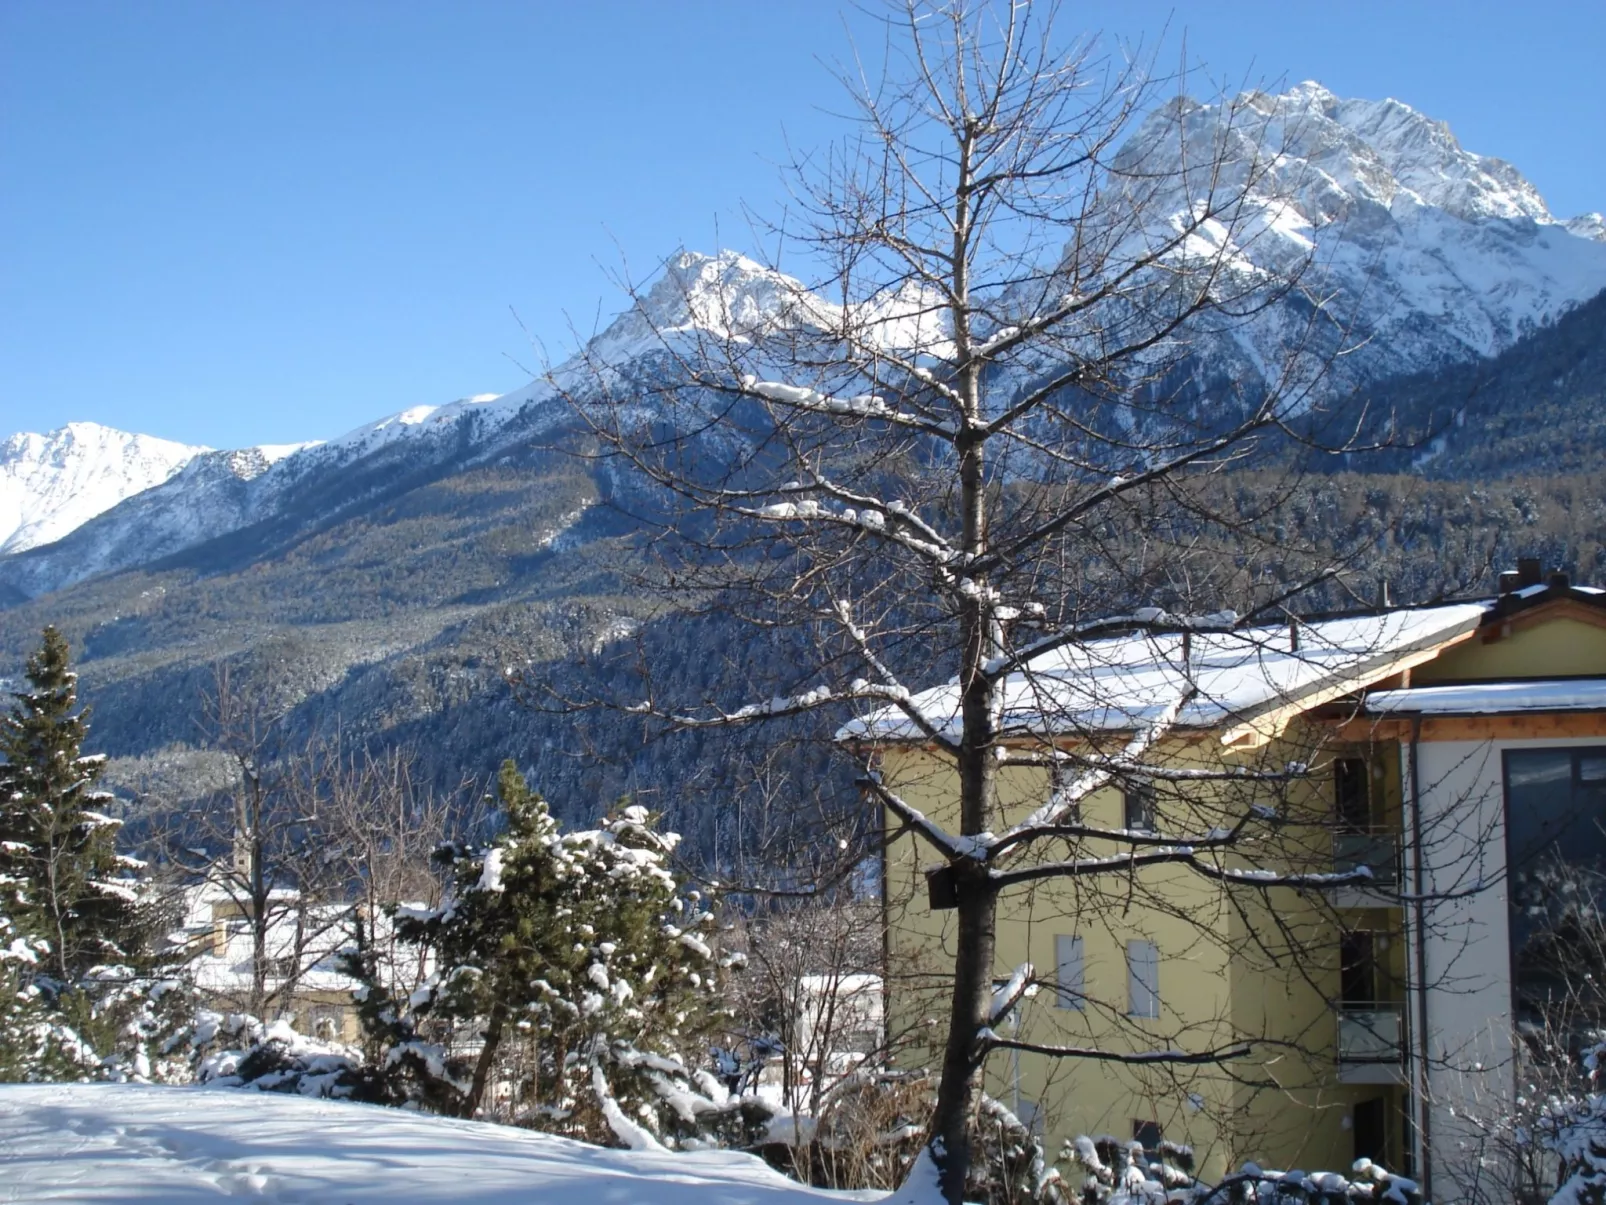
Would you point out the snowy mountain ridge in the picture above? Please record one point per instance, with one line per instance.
(53, 483)
(1432, 254)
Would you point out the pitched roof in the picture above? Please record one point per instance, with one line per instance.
(1126, 683)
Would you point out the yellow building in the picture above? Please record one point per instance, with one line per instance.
(1363, 1007)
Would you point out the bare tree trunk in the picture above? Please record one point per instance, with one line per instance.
(977, 912)
(487, 1059)
(956, 1090)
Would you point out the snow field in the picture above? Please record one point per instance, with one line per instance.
(174, 1146)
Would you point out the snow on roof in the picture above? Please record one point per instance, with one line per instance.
(846, 985)
(1125, 683)
(139, 1142)
(1491, 698)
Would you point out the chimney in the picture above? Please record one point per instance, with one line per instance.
(1383, 601)
(1293, 634)
(1559, 580)
(1508, 581)
(1530, 572)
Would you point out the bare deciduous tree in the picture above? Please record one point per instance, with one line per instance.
(308, 836)
(980, 431)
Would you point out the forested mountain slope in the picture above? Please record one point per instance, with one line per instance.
(385, 582)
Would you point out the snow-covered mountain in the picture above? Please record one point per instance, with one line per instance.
(1426, 253)
(216, 493)
(51, 484)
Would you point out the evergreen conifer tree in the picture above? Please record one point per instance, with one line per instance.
(575, 962)
(82, 989)
(56, 848)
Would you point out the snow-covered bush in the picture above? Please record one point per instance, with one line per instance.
(238, 1051)
(864, 1132)
(1123, 1173)
(869, 1131)
(1571, 1126)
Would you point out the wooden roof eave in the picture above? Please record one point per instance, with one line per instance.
(1269, 724)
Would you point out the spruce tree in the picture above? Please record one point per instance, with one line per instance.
(58, 853)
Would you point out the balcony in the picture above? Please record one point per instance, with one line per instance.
(1371, 1048)
(1377, 850)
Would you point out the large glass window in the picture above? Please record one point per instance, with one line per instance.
(1352, 795)
(1556, 869)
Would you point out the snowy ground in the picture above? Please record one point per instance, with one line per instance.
(106, 1142)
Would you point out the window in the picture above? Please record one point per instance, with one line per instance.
(1371, 1130)
(327, 1022)
(1142, 979)
(1358, 970)
(1556, 870)
(1061, 777)
(1352, 795)
(1030, 1115)
(1147, 1134)
(1138, 802)
(860, 1041)
(1068, 973)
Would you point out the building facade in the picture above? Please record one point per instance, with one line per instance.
(1434, 777)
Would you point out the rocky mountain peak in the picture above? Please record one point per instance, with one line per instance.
(1429, 251)
(53, 483)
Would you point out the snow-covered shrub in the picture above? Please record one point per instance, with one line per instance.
(139, 1019)
(1571, 1126)
(236, 1050)
(864, 1132)
(1007, 1162)
(869, 1132)
(1117, 1172)
(1122, 1172)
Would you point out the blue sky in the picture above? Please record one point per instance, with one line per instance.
(247, 222)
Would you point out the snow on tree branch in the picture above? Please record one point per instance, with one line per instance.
(1011, 992)
(946, 843)
(1181, 855)
(778, 707)
(917, 715)
(864, 405)
(1070, 794)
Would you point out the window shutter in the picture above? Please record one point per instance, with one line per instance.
(1068, 972)
(1143, 979)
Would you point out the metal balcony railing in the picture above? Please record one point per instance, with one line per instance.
(1378, 851)
(1370, 1033)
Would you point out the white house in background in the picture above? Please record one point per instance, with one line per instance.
(841, 1019)
(834, 1021)
(305, 983)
